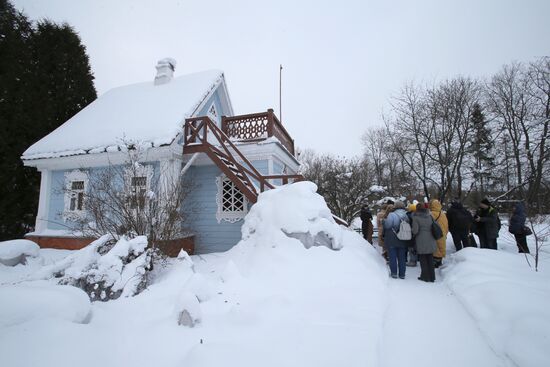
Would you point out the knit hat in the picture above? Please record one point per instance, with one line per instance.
(486, 202)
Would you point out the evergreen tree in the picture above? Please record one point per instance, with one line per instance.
(17, 199)
(45, 79)
(481, 148)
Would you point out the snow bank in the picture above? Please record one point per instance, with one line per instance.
(269, 301)
(26, 302)
(508, 299)
(15, 252)
(295, 211)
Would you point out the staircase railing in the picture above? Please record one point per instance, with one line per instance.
(201, 135)
(204, 136)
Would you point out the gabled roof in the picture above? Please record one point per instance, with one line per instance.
(149, 114)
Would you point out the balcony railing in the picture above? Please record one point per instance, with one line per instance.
(257, 126)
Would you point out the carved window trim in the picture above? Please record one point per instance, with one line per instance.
(229, 199)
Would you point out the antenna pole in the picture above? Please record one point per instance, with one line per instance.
(280, 93)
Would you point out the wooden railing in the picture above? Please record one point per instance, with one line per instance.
(285, 179)
(201, 135)
(257, 126)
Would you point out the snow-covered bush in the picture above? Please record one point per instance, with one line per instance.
(15, 252)
(106, 269)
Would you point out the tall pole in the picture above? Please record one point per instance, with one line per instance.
(280, 93)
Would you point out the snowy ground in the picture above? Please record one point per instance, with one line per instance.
(270, 301)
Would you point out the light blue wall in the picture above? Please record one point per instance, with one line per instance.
(211, 236)
(57, 195)
(57, 203)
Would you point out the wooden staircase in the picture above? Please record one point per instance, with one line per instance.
(202, 135)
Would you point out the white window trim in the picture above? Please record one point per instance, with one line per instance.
(70, 177)
(227, 216)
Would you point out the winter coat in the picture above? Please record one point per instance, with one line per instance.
(391, 227)
(459, 218)
(441, 219)
(517, 220)
(422, 231)
(366, 223)
(488, 223)
(380, 217)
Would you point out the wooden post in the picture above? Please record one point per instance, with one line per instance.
(270, 122)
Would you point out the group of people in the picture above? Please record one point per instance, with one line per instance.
(429, 225)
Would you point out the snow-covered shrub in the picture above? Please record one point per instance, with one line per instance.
(15, 252)
(107, 269)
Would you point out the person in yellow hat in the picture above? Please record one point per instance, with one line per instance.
(441, 218)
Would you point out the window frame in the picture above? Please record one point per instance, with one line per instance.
(76, 194)
(142, 171)
(227, 215)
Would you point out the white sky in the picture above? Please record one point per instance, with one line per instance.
(342, 60)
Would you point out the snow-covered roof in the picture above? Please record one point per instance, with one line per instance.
(150, 114)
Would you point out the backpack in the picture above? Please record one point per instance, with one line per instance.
(437, 232)
(405, 231)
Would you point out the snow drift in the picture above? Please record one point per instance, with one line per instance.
(509, 301)
(24, 303)
(15, 252)
(295, 211)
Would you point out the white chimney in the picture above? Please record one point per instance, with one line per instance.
(165, 71)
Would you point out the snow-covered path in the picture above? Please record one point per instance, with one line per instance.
(425, 325)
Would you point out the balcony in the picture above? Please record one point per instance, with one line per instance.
(257, 127)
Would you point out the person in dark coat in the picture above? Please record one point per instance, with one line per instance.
(425, 242)
(397, 249)
(517, 227)
(460, 221)
(487, 225)
(366, 223)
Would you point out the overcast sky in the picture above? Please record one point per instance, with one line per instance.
(342, 60)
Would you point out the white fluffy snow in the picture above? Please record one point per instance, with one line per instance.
(273, 301)
(508, 300)
(25, 303)
(143, 112)
(15, 251)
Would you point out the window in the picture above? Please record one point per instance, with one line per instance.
(76, 182)
(138, 190)
(232, 204)
(77, 196)
(138, 181)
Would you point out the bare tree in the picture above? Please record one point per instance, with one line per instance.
(344, 183)
(409, 130)
(134, 199)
